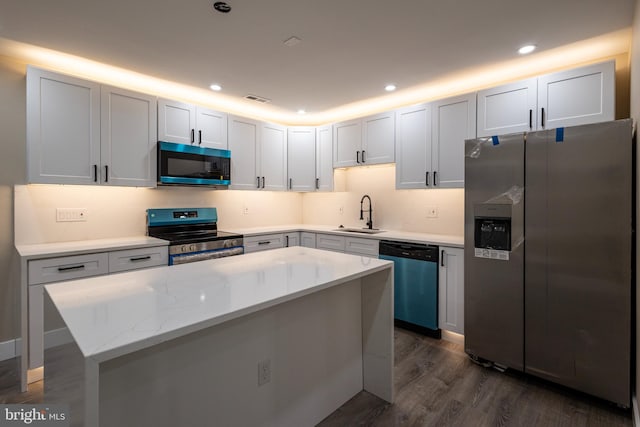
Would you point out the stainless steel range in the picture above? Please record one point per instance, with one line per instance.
(193, 234)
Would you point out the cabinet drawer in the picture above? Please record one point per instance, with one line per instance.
(360, 246)
(330, 242)
(263, 242)
(133, 259)
(67, 268)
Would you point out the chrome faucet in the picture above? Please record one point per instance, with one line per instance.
(370, 222)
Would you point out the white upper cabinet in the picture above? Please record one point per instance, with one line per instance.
(301, 143)
(365, 141)
(567, 98)
(347, 140)
(79, 132)
(212, 128)
(453, 121)
(576, 97)
(507, 109)
(413, 147)
(243, 144)
(272, 145)
(324, 158)
(378, 138)
(189, 124)
(63, 129)
(128, 138)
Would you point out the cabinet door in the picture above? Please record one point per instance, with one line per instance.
(324, 159)
(301, 164)
(347, 140)
(243, 143)
(308, 240)
(361, 246)
(507, 109)
(128, 138)
(63, 129)
(211, 129)
(291, 239)
(176, 122)
(330, 242)
(576, 97)
(378, 138)
(413, 147)
(451, 290)
(453, 121)
(273, 156)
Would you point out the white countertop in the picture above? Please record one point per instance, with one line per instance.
(84, 246)
(113, 315)
(405, 236)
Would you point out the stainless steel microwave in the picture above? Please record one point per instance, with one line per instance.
(181, 164)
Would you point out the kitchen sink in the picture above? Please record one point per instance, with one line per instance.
(360, 230)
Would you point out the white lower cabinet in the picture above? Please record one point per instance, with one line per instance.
(308, 240)
(263, 242)
(451, 289)
(349, 245)
(330, 242)
(292, 239)
(51, 270)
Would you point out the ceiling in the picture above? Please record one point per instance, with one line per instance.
(349, 50)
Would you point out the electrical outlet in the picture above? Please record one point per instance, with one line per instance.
(432, 212)
(264, 372)
(245, 211)
(71, 214)
(341, 210)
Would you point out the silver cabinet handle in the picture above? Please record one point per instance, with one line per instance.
(258, 178)
(363, 160)
(290, 183)
(317, 183)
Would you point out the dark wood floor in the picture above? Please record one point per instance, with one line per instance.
(436, 385)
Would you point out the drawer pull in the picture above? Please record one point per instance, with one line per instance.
(140, 258)
(264, 243)
(71, 268)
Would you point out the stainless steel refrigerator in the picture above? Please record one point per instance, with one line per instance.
(548, 255)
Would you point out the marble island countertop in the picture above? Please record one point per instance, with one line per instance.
(109, 316)
(405, 236)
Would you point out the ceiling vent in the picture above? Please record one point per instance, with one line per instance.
(257, 98)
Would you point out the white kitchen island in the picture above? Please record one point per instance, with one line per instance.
(275, 338)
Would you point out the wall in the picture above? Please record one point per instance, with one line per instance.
(635, 114)
(392, 209)
(120, 211)
(12, 171)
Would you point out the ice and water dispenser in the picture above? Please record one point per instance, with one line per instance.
(492, 230)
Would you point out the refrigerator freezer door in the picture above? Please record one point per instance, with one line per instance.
(493, 275)
(578, 258)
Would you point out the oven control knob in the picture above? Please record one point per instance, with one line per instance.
(192, 248)
(184, 248)
(229, 243)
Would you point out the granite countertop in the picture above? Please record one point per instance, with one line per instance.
(405, 236)
(113, 315)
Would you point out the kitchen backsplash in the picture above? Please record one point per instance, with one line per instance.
(120, 211)
(393, 209)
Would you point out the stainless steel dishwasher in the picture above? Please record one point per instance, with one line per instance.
(415, 284)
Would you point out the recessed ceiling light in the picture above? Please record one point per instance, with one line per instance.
(526, 49)
(302, 112)
(390, 88)
(215, 87)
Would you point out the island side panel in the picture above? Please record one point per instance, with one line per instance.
(377, 334)
(313, 346)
